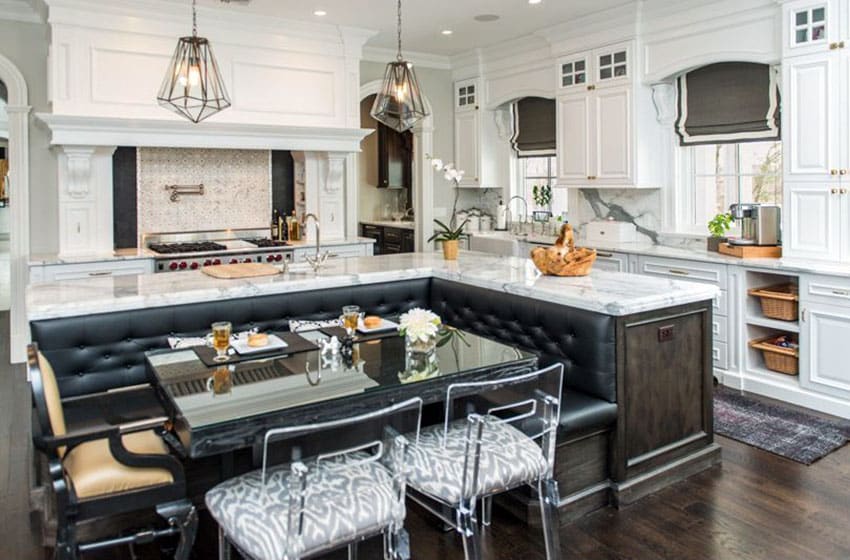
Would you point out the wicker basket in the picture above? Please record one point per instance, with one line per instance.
(778, 302)
(777, 358)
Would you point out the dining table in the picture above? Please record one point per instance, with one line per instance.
(220, 409)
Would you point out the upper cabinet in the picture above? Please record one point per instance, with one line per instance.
(476, 138)
(598, 122)
(811, 27)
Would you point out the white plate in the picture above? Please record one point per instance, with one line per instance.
(386, 325)
(275, 343)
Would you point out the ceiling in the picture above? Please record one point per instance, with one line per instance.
(425, 19)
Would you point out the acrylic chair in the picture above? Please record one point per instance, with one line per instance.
(352, 488)
(100, 472)
(496, 436)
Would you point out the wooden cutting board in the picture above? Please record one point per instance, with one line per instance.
(241, 270)
(750, 251)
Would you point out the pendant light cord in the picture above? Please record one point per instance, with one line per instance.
(195, 18)
(399, 57)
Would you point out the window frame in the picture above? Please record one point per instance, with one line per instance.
(521, 178)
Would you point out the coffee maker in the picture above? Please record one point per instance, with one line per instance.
(760, 224)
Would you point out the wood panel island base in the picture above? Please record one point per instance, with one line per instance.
(637, 403)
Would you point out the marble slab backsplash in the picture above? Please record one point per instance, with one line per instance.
(237, 189)
(642, 208)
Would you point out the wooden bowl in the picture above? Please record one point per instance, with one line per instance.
(564, 259)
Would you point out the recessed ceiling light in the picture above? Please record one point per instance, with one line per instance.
(320, 13)
(532, 2)
(446, 31)
(486, 18)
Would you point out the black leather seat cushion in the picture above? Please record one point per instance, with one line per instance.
(98, 352)
(581, 412)
(582, 340)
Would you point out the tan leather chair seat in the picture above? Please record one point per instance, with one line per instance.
(93, 471)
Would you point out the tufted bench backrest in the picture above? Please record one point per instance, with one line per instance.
(583, 341)
(104, 351)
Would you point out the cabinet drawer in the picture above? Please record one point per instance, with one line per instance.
(76, 271)
(832, 290)
(371, 231)
(615, 262)
(720, 329)
(684, 270)
(392, 235)
(721, 304)
(720, 355)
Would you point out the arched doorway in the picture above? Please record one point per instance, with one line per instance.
(17, 110)
(423, 176)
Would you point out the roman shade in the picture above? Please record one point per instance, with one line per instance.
(728, 102)
(534, 127)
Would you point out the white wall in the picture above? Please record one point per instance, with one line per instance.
(436, 84)
(25, 44)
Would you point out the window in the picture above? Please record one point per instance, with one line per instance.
(725, 174)
(539, 171)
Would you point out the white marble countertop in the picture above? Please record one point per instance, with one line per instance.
(701, 255)
(389, 223)
(134, 254)
(611, 293)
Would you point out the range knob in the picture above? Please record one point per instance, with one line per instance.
(278, 258)
(183, 265)
(173, 266)
(217, 261)
(234, 261)
(207, 262)
(270, 258)
(194, 266)
(247, 260)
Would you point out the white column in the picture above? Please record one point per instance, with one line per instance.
(85, 200)
(19, 222)
(423, 184)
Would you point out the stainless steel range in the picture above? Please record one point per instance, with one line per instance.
(190, 251)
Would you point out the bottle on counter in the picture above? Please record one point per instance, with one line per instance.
(294, 228)
(282, 231)
(501, 216)
(274, 232)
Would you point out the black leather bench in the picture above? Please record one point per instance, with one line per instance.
(99, 352)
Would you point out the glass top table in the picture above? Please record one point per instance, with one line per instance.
(221, 409)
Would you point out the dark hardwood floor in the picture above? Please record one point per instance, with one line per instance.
(755, 506)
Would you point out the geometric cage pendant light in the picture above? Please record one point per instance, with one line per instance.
(399, 103)
(192, 86)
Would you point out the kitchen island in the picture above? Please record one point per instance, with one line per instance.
(637, 405)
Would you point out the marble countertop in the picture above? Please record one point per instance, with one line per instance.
(134, 254)
(611, 293)
(389, 223)
(804, 266)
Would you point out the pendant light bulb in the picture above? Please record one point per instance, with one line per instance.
(193, 86)
(399, 104)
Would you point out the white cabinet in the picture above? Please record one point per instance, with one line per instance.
(601, 112)
(76, 271)
(334, 251)
(811, 26)
(476, 138)
(610, 261)
(814, 214)
(823, 338)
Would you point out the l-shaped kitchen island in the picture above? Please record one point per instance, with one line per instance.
(636, 412)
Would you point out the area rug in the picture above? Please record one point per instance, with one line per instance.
(792, 434)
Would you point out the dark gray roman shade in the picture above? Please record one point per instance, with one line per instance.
(728, 102)
(534, 127)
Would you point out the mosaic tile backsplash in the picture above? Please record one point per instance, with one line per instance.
(237, 189)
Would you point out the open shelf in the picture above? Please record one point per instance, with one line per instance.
(754, 357)
(776, 324)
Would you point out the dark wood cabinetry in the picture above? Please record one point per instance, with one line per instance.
(389, 240)
(395, 159)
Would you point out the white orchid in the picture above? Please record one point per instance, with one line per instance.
(437, 164)
(419, 325)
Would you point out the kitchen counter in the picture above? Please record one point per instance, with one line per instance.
(700, 255)
(390, 224)
(611, 293)
(132, 254)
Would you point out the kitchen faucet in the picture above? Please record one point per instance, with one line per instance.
(320, 258)
(524, 214)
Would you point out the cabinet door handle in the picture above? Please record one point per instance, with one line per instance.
(833, 172)
(840, 44)
(104, 273)
(834, 191)
(833, 46)
(803, 315)
(606, 255)
(841, 292)
(842, 172)
(679, 272)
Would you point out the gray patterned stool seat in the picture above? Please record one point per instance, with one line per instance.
(344, 501)
(509, 458)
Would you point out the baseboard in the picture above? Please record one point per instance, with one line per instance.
(527, 508)
(632, 490)
(782, 390)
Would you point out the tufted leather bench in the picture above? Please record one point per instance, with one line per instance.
(98, 352)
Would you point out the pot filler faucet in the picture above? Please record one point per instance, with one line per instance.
(320, 258)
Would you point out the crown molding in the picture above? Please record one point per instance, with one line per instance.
(68, 130)
(423, 60)
(19, 10)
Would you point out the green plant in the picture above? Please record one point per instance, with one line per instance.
(542, 195)
(720, 224)
(447, 233)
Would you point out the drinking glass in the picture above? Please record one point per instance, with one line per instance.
(221, 339)
(221, 381)
(350, 319)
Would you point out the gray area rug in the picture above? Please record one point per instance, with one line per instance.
(795, 435)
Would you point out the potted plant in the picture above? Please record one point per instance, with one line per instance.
(717, 227)
(449, 237)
